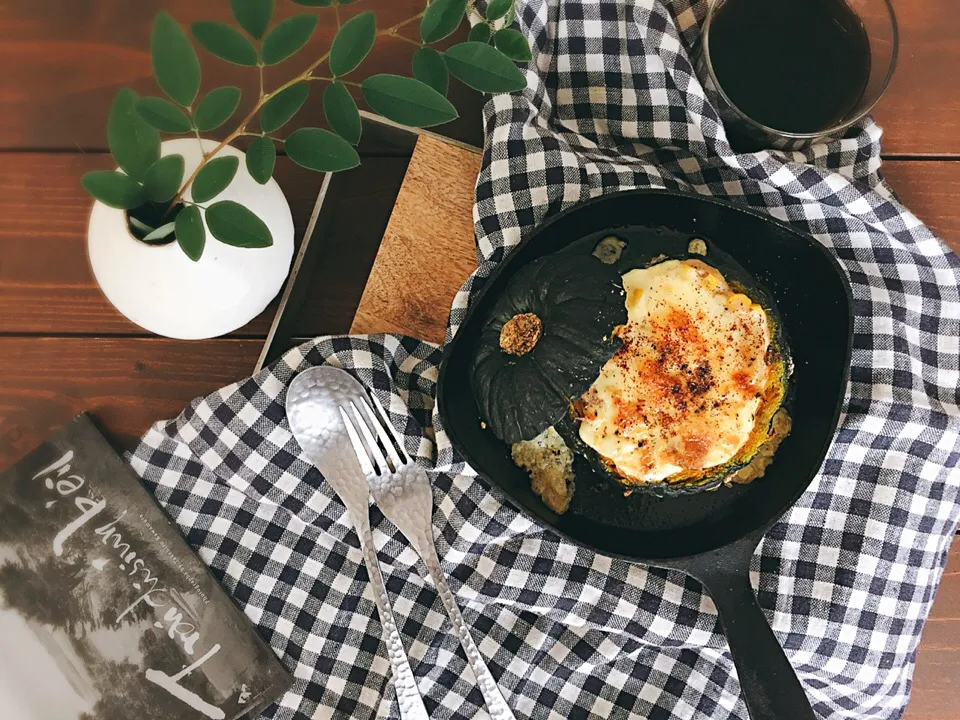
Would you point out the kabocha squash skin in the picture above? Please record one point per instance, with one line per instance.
(526, 374)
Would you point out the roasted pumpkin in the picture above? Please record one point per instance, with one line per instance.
(544, 342)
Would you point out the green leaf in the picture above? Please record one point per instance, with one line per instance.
(342, 114)
(511, 15)
(191, 236)
(216, 108)
(232, 224)
(315, 3)
(479, 33)
(225, 42)
(407, 101)
(283, 106)
(441, 19)
(155, 236)
(513, 43)
(496, 9)
(175, 63)
(163, 178)
(139, 225)
(429, 68)
(114, 189)
(261, 157)
(163, 115)
(288, 37)
(253, 15)
(321, 150)
(352, 43)
(484, 68)
(134, 144)
(213, 178)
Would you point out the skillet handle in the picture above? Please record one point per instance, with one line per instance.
(770, 685)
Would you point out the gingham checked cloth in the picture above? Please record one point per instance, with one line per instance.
(846, 578)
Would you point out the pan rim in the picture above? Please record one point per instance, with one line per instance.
(821, 453)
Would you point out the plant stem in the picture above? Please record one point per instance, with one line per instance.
(392, 30)
(241, 128)
(196, 132)
(306, 75)
(336, 11)
(405, 39)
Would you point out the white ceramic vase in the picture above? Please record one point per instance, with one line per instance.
(160, 289)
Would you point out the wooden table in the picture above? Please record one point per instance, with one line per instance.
(64, 349)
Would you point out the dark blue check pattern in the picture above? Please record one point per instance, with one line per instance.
(846, 578)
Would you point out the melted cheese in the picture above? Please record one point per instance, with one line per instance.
(683, 393)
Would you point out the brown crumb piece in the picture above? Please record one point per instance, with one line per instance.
(520, 333)
(780, 428)
(550, 464)
(609, 250)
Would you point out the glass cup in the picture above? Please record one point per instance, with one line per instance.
(793, 61)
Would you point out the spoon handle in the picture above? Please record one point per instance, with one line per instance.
(408, 695)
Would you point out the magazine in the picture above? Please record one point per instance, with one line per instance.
(105, 611)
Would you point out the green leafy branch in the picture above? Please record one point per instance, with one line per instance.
(162, 206)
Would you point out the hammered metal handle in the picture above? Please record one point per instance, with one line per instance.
(408, 695)
(496, 704)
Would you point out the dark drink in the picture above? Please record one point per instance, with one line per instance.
(797, 66)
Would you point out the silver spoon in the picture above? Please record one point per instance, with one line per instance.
(314, 416)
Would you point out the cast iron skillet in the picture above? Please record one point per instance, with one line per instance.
(713, 535)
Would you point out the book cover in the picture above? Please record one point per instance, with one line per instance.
(105, 611)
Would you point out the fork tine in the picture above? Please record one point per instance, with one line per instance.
(383, 436)
(371, 442)
(358, 447)
(385, 420)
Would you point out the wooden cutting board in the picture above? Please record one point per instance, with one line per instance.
(428, 249)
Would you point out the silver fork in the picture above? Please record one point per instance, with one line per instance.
(402, 491)
(313, 401)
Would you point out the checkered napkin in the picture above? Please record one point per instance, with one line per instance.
(846, 578)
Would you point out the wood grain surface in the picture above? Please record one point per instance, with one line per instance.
(67, 59)
(920, 112)
(126, 383)
(428, 246)
(930, 189)
(935, 694)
